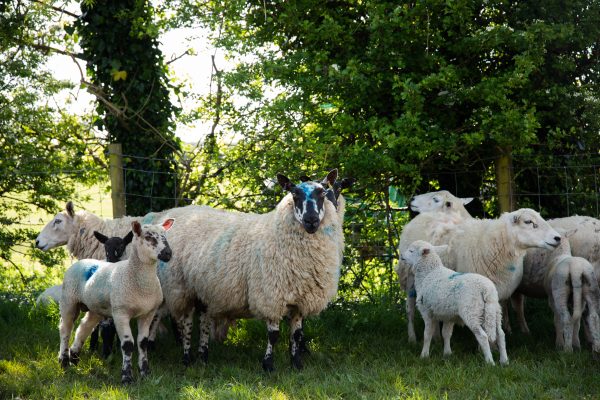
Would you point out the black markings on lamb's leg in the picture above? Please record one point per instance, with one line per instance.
(144, 367)
(186, 325)
(273, 337)
(295, 339)
(74, 357)
(176, 331)
(108, 333)
(127, 350)
(64, 359)
(304, 349)
(151, 343)
(94, 338)
(205, 322)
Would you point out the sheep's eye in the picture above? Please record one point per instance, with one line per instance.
(436, 200)
(57, 221)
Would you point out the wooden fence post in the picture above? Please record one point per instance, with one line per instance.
(504, 180)
(117, 184)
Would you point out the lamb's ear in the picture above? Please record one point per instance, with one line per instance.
(347, 183)
(70, 209)
(168, 224)
(425, 251)
(466, 200)
(128, 238)
(136, 228)
(284, 182)
(101, 238)
(568, 233)
(304, 178)
(515, 219)
(330, 178)
(441, 248)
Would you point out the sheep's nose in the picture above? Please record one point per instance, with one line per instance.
(37, 243)
(557, 238)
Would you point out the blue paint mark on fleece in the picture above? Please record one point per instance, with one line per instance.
(328, 230)
(89, 270)
(457, 287)
(454, 275)
(162, 265)
(412, 293)
(148, 218)
(511, 268)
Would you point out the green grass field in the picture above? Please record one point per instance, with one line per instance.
(357, 352)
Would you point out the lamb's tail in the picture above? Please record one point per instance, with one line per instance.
(577, 285)
(491, 309)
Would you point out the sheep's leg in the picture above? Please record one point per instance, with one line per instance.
(126, 338)
(518, 304)
(593, 322)
(447, 328)
(108, 333)
(205, 322)
(501, 340)
(576, 325)
(295, 340)
(94, 338)
(411, 297)
(430, 326)
(87, 325)
(304, 349)
(153, 331)
(68, 315)
(272, 337)
(565, 321)
(484, 343)
(185, 324)
(142, 340)
(505, 316)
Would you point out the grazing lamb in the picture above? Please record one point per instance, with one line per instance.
(50, 295)
(453, 297)
(563, 279)
(124, 290)
(283, 263)
(440, 212)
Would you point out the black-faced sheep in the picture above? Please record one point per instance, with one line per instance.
(453, 297)
(124, 290)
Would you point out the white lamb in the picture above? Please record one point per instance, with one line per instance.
(267, 266)
(453, 297)
(124, 290)
(440, 212)
(564, 280)
(585, 240)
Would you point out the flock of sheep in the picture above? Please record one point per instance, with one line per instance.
(285, 264)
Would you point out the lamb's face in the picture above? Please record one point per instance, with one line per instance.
(114, 246)
(309, 210)
(438, 201)
(531, 230)
(413, 253)
(151, 240)
(56, 232)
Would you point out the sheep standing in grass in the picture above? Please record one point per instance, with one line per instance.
(564, 280)
(283, 263)
(124, 290)
(440, 211)
(453, 297)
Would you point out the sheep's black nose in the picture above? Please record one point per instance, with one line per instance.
(37, 243)
(557, 238)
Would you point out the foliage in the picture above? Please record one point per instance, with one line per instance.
(44, 150)
(119, 42)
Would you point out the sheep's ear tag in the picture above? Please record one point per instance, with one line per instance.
(426, 251)
(168, 224)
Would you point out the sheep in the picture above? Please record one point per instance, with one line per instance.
(282, 263)
(49, 296)
(124, 290)
(450, 297)
(440, 211)
(493, 248)
(561, 277)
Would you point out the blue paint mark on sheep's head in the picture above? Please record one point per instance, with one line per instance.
(511, 268)
(309, 199)
(89, 271)
(162, 264)
(454, 275)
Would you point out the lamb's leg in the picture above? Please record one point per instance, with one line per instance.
(272, 337)
(447, 328)
(484, 343)
(411, 297)
(561, 310)
(430, 326)
(501, 340)
(518, 304)
(108, 333)
(142, 339)
(126, 338)
(304, 349)
(576, 325)
(593, 322)
(87, 325)
(185, 323)
(505, 316)
(68, 315)
(94, 338)
(295, 340)
(205, 322)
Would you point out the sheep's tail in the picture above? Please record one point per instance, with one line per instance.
(491, 308)
(577, 284)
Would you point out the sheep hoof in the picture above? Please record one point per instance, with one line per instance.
(126, 376)
(304, 349)
(297, 361)
(203, 355)
(268, 364)
(74, 358)
(145, 370)
(64, 360)
(151, 345)
(187, 359)
(504, 362)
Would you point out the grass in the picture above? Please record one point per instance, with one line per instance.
(358, 352)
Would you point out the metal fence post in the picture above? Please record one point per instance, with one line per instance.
(117, 186)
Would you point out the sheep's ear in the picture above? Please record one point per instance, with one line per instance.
(568, 233)
(70, 209)
(441, 248)
(330, 178)
(168, 224)
(304, 178)
(101, 238)
(136, 228)
(284, 182)
(425, 251)
(515, 219)
(128, 238)
(466, 200)
(347, 183)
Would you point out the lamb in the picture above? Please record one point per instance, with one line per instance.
(451, 297)
(440, 212)
(283, 263)
(124, 290)
(585, 240)
(562, 278)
